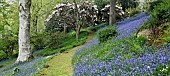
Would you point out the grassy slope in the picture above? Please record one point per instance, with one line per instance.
(61, 65)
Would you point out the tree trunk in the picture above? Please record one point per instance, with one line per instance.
(77, 19)
(99, 17)
(112, 17)
(35, 21)
(24, 31)
(65, 29)
(77, 32)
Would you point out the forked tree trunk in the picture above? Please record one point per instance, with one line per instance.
(112, 17)
(24, 31)
(77, 19)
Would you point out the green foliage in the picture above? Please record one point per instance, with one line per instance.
(9, 16)
(2, 55)
(128, 4)
(96, 28)
(8, 43)
(140, 40)
(150, 24)
(101, 3)
(162, 70)
(67, 43)
(38, 40)
(106, 33)
(162, 12)
(153, 4)
(167, 39)
(42, 9)
(159, 14)
(8, 29)
(46, 52)
(134, 46)
(132, 11)
(56, 42)
(55, 39)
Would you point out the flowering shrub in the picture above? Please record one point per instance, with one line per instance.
(64, 15)
(106, 33)
(120, 57)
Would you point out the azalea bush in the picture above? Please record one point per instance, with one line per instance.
(64, 15)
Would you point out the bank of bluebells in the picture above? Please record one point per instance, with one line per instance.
(119, 60)
(23, 69)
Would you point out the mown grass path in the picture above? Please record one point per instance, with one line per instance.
(61, 65)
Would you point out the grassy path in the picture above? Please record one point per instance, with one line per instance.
(60, 65)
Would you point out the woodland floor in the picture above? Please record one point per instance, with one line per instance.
(61, 65)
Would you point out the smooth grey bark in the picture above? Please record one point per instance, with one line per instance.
(24, 31)
(112, 17)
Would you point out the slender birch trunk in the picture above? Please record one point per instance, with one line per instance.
(24, 31)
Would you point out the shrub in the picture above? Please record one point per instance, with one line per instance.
(132, 11)
(159, 14)
(38, 40)
(125, 4)
(2, 55)
(63, 43)
(106, 33)
(55, 39)
(8, 43)
(140, 40)
(153, 4)
(96, 28)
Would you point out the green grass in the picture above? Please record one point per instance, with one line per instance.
(68, 44)
(61, 65)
